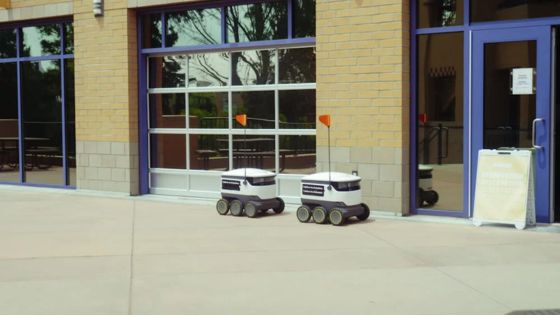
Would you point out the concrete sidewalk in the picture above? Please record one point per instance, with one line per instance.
(68, 253)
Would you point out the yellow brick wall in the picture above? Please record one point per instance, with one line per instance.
(5, 4)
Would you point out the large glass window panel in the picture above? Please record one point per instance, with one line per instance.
(258, 106)
(41, 40)
(151, 31)
(494, 10)
(253, 67)
(169, 71)
(167, 110)
(168, 151)
(303, 18)
(193, 28)
(297, 109)
(254, 151)
(208, 110)
(440, 125)
(297, 65)
(70, 104)
(8, 43)
(68, 38)
(42, 122)
(9, 135)
(209, 152)
(436, 13)
(208, 70)
(257, 22)
(298, 154)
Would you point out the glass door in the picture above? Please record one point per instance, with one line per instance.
(511, 83)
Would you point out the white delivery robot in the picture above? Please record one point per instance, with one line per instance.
(332, 198)
(426, 194)
(250, 191)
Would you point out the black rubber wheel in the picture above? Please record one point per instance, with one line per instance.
(280, 207)
(336, 217)
(251, 209)
(236, 207)
(303, 214)
(431, 197)
(320, 215)
(222, 206)
(364, 216)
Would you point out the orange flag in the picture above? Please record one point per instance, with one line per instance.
(241, 119)
(325, 119)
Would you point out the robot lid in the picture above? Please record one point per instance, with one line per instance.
(424, 167)
(251, 172)
(335, 177)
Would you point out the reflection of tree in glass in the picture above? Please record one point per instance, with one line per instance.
(203, 63)
(304, 18)
(297, 65)
(252, 67)
(49, 40)
(69, 38)
(7, 43)
(193, 27)
(173, 71)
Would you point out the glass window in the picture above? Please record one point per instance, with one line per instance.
(9, 135)
(151, 31)
(303, 18)
(253, 67)
(167, 110)
(41, 40)
(440, 126)
(168, 151)
(208, 70)
(257, 22)
(258, 106)
(297, 65)
(436, 13)
(209, 152)
(70, 120)
(169, 71)
(68, 38)
(8, 43)
(42, 122)
(298, 154)
(297, 109)
(254, 151)
(193, 28)
(208, 110)
(494, 10)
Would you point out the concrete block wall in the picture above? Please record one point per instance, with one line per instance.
(362, 81)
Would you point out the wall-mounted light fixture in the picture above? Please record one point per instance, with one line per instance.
(97, 8)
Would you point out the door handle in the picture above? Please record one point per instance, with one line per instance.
(534, 140)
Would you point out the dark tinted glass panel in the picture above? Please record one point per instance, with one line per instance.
(194, 27)
(297, 65)
(255, 22)
(508, 115)
(440, 121)
(303, 18)
(41, 40)
(42, 122)
(68, 38)
(70, 120)
(493, 10)
(9, 147)
(8, 43)
(209, 152)
(151, 31)
(297, 109)
(167, 111)
(298, 154)
(208, 110)
(252, 67)
(208, 70)
(436, 13)
(254, 151)
(168, 151)
(258, 106)
(168, 71)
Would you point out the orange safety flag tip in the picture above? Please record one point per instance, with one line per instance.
(241, 119)
(325, 119)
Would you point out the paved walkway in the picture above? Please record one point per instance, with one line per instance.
(66, 253)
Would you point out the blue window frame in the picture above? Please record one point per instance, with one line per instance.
(37, 133)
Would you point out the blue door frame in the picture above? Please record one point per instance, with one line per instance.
(542, 137)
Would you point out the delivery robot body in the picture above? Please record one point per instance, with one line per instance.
(250, 191)
(426, 193)
(332, 198)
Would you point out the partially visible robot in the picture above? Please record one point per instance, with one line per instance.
(250, 191)
(426, 194)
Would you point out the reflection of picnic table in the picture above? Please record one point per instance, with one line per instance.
(33, 149)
